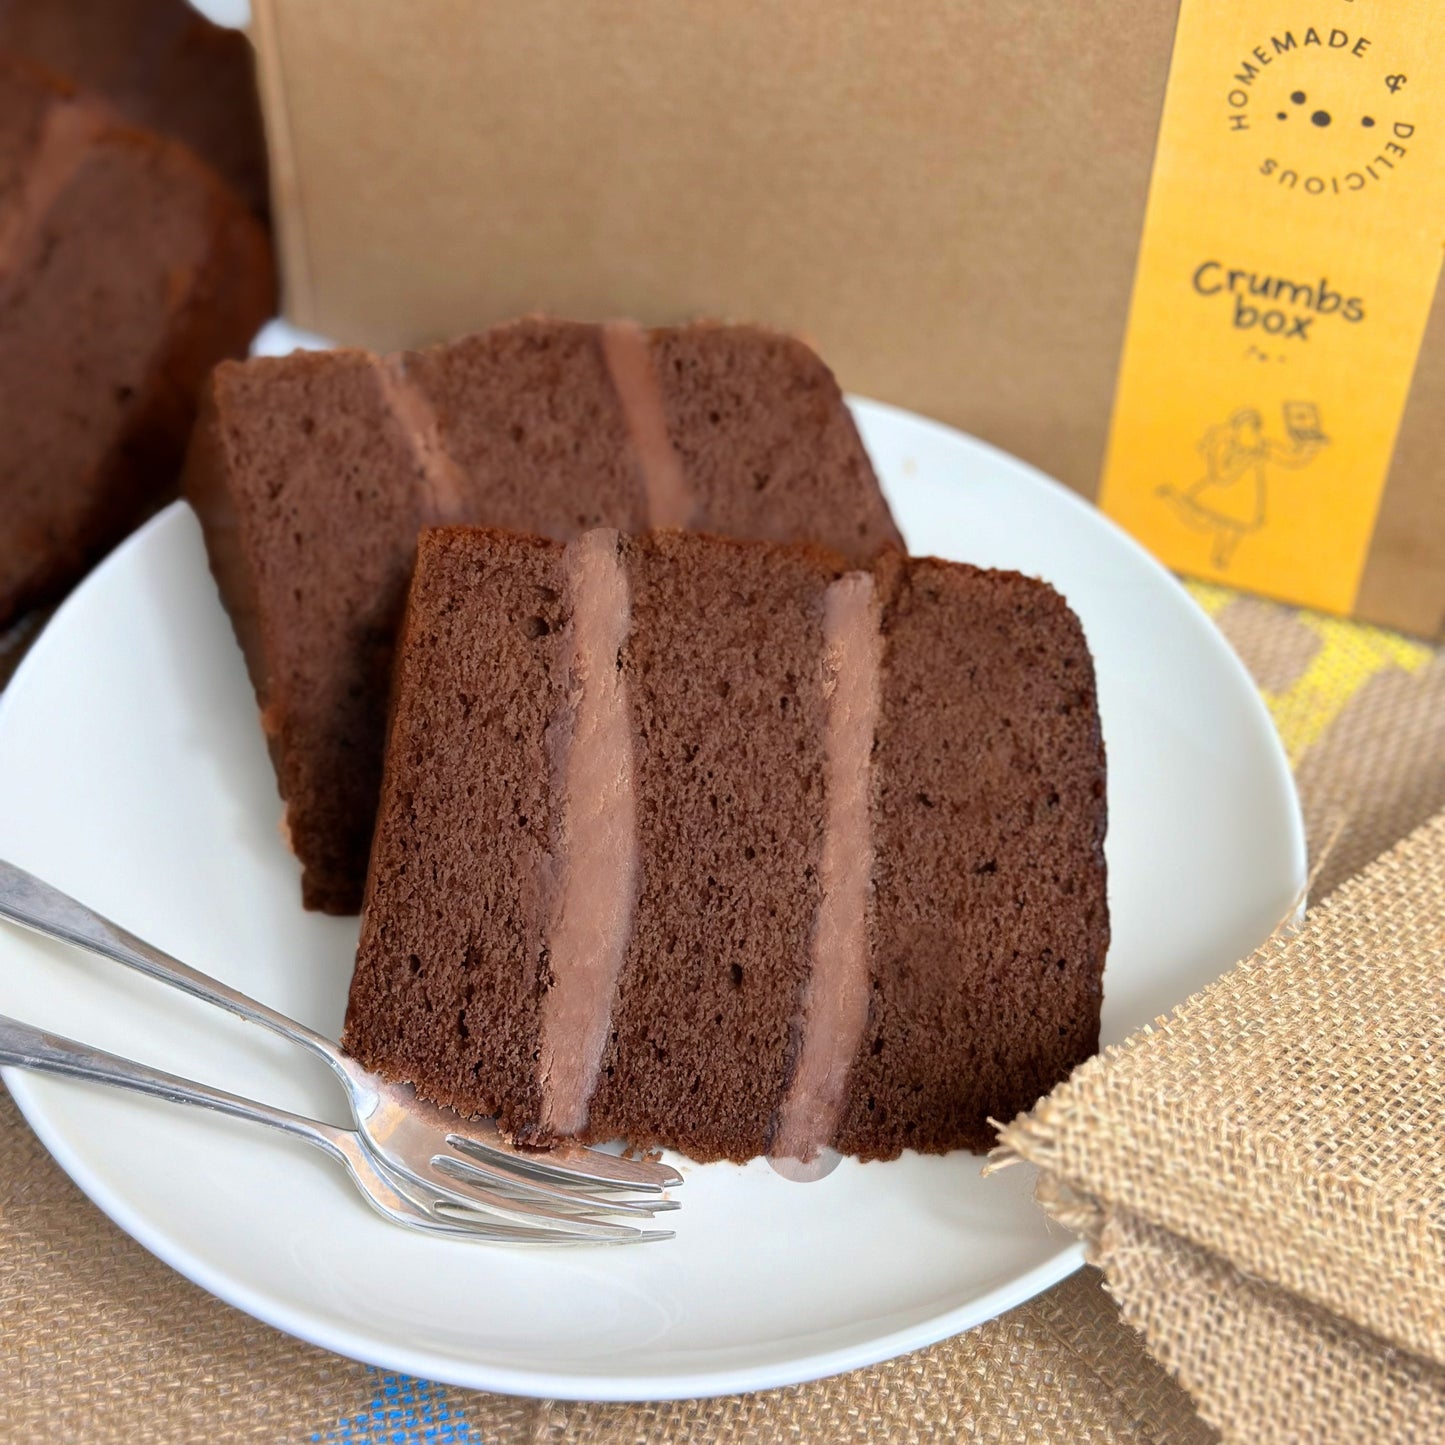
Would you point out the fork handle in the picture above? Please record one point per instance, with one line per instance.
(26, 1047)
(35, 904)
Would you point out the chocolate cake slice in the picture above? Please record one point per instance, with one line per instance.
(312, 473)
(127, 269)
(733, 847)
(163, 66)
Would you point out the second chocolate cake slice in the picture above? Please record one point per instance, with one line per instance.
(733, 847)
(312, 473)
(127, 270)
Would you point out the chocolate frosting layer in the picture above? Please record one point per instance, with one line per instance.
(67, 133)
(443, 483)
(596, 862)
(835, 1001)
(670, 502)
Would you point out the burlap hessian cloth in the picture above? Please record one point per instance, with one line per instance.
(1261, 1177)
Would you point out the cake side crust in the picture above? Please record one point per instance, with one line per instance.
(991, 917)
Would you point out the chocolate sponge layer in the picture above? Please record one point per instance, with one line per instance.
(765, 444)
(990, 920)
(727, 702)
(449, 966)
(313, 556)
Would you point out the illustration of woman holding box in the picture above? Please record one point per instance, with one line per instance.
(1229, 500)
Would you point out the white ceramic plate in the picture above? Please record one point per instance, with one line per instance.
(133, 775)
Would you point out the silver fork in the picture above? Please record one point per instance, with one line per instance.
(468, 1159)
(401, 1201)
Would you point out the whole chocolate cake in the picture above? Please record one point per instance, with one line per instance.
(733, 847)
(313, 473)
(127, 269)
(162, 65)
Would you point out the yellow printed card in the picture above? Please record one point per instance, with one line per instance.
(1291, 247)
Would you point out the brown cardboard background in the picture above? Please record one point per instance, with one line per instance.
(944, 196)
(1404, 581)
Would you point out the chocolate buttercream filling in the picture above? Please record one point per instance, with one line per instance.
(670, 502)
(835, 999)
(596, 864)
(442, 482)
(67, 133)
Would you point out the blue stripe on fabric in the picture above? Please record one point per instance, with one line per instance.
(404, 1411)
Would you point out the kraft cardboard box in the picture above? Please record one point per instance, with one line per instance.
(1196, 281)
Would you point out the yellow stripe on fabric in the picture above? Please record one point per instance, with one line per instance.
(1213, 600)
(1350, 654)
(1347, 656)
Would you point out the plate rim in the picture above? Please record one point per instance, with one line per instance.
(639, 1387)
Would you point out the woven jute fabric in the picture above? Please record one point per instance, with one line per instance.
(1265, 1364)
(100, 1342)
(1262, 1175)
(1287, 1124)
